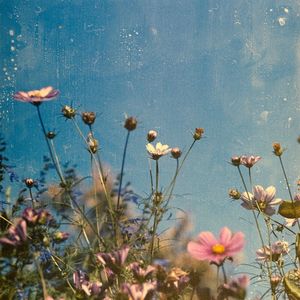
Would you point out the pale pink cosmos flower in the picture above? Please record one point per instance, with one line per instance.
(261, 199)
(37, 96)
(158, 151)
(249, 161)
(277, 249)
(207, 247)
(292, 222)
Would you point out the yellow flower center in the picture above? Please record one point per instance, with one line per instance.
(218, 249)
(34, 94)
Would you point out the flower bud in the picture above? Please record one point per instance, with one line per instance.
(151, 136)
(236, 160)
(51, 135)
(158, 197)
(29, 182)
(60, 236)
(68, 112)
(275, 280)
(93, 143)
(88, 117)
(234, 194)
(176, 152)
(277, 150)
(130, 123)
(198, 133)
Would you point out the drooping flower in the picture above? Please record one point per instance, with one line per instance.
(114, 260)
(17, 234)
(236, 288)
(207, 247)
(37, 96)
(137, 291)
(158, 151)
(249, 161)
(277, 249)
(261, 199)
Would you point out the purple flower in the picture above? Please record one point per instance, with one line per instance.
(277, 249)
(139, 273)
(234, 288)
(37, 96)
(114, 260)
(30, 215)
(82, 283)
(16, 234)
(249, 161)
(137, 291)
(261, 199)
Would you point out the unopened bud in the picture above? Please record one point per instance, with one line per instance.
(198, 133)
(151, 136)
(130, 123)
(236, 160)
(88, 117)
(176, 152)
(68, 112)
(277, 150)
(51, 135)
(93, 143)
(60, 236)
(29, 182)
(234, 194)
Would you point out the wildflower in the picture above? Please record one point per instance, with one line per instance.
(29, 182)
(59, 236)
(44, 217)
(16, 234)
(151, 136)
(261, 199)
(114, 260)
(81, 282)
(139, 273)
(68, 112)
(207, 247)
(30, 215)
(198, 133)
(88, 117)
(277, 150)
(234, 194)
(93, 143)
(130, 123)
(234, 288)
(36, 97)
(51, 135)
(275, 280)
(137, 291)
(277, 249)
(249, 161)
(79, 277)
(176, 152)
(291, 222)
(159, 150)
(236, 160)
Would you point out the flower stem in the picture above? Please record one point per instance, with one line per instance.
(122, 169)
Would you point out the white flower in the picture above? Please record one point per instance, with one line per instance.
(157, 151)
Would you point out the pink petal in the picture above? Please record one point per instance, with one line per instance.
(207, 238)
(259, 192)
(225, 236)
(270, 193)
(236, 244)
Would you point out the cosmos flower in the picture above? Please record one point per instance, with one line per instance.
(207, 247)
(137, 291)
(277, 249)
(262, 199)
(249, 161)
(37, 96)
(16, 234)
(158, 151)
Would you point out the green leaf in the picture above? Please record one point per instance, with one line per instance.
(289, 209)
(292, 284)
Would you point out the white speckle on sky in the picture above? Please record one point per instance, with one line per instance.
(282, 21)
(11, 32)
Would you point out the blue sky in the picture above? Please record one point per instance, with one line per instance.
(231, 67)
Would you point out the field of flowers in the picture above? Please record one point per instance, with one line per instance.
(95, 238)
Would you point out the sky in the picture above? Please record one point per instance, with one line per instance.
(231, 67)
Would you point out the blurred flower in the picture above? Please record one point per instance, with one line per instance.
(277, 150)
(68, 112)
(207, 247)
(88, 117)
(234, 288)
(114, 260)
(37, 96)
(93, 143)
(198, 133)
(176, 152)
(59, 236)
(249, 161)
(236, 160)
(159, 150)
(130, 123)
(16, 234)
(151, 136)
(81, 282)
(292, 222)
(44, 217)
(137, 291)
(261, 199)
(139, 273)
(30, 215)
(277, 249)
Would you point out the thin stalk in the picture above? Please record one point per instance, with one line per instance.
(151, 176)
(173, 185)
(224, 273)
(122, 169)
(44, 288)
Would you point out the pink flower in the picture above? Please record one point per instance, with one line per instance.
(277, 249)
(249, 161)
(139, 273)
(262, 199)
(207, 247)
(236, 288)
(16, 234)
(137, 291)
(37, 96)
